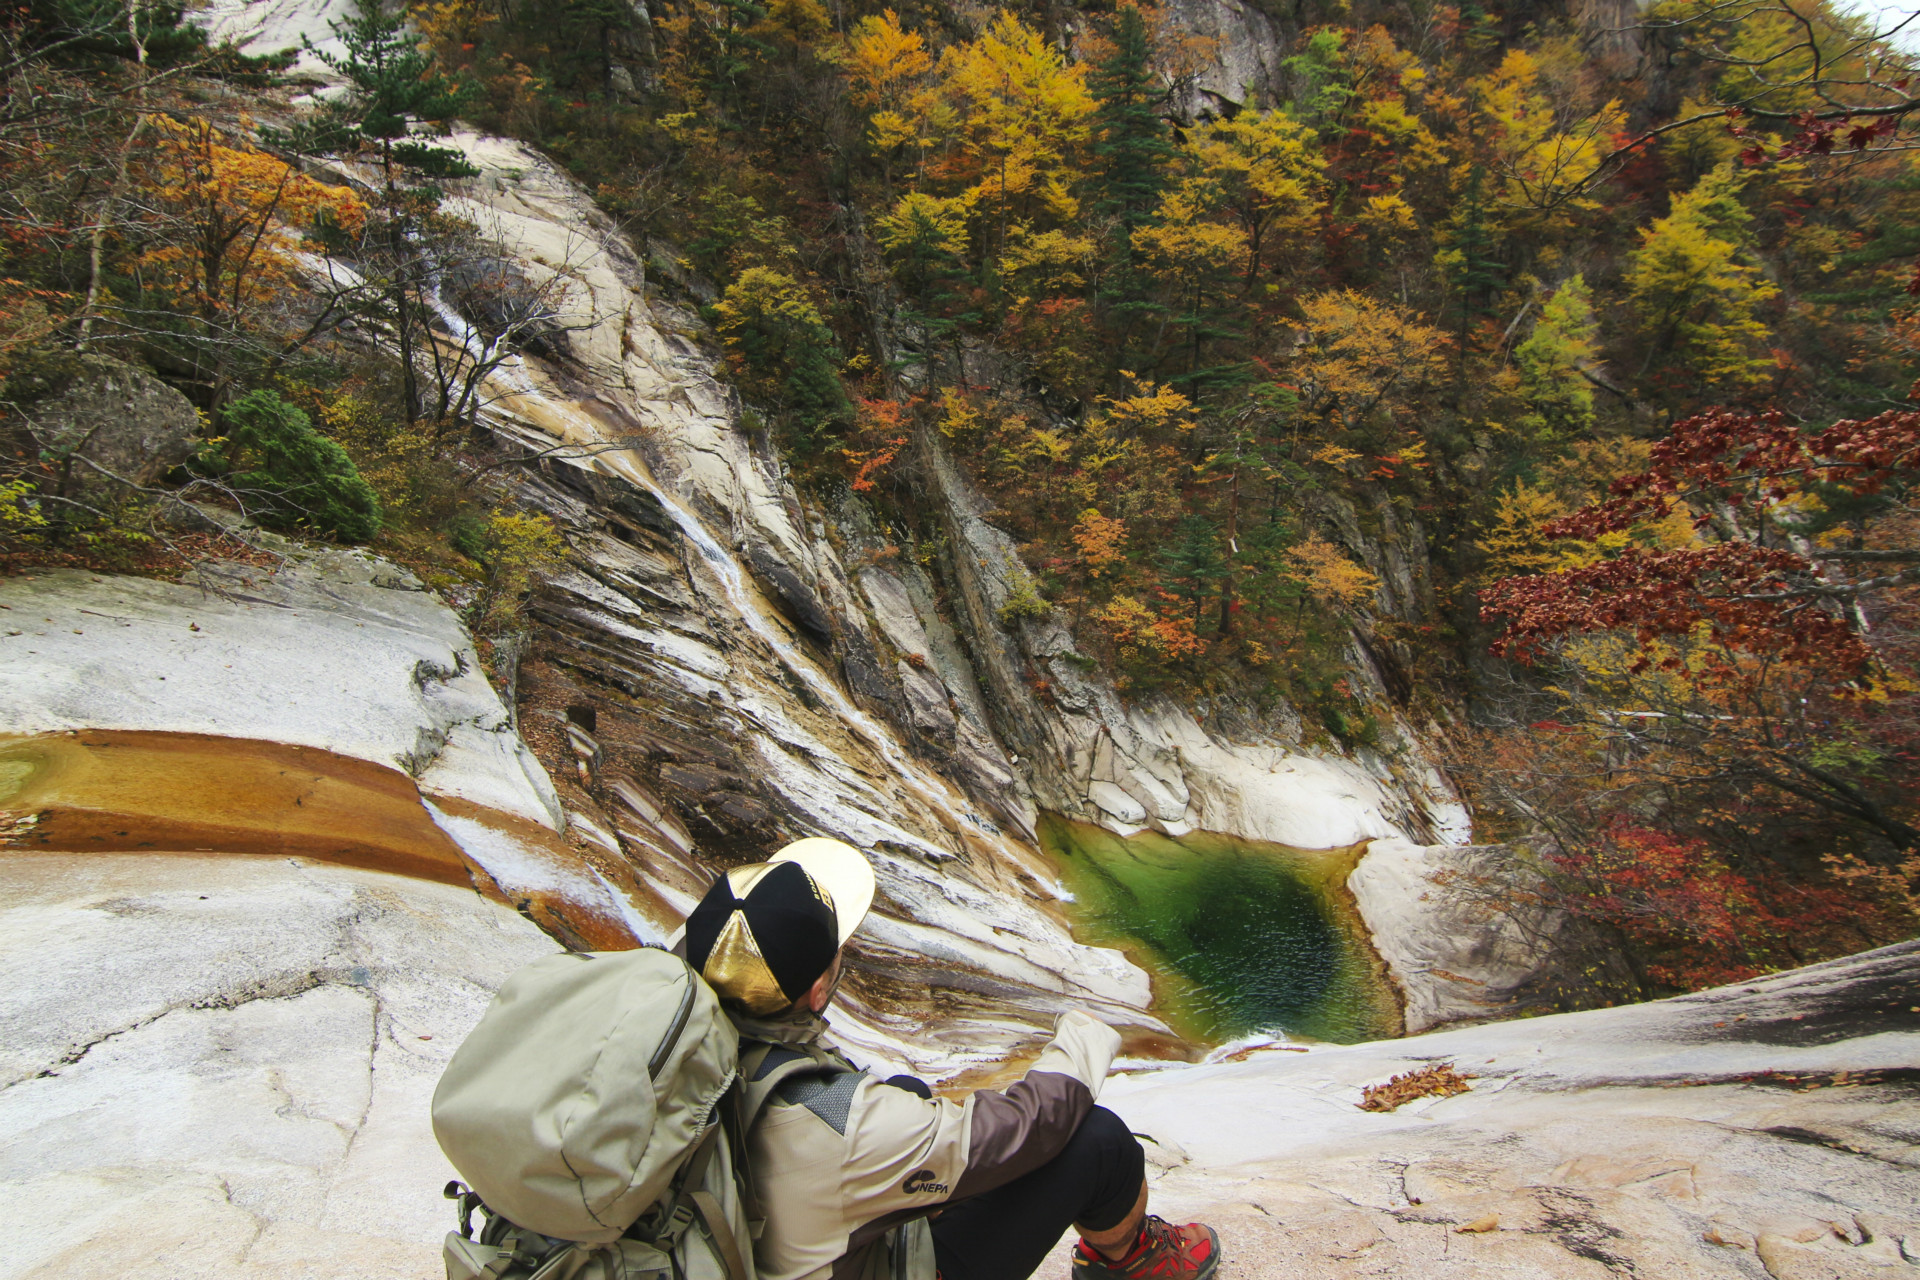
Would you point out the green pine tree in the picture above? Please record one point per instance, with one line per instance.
(288, 473)
(394, 91)
(1133, 156)
(1132, 151)
(1469, 258)
(392, 86)
(1193, 561)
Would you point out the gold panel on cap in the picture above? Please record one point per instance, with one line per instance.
(736, 970)
(742, 879)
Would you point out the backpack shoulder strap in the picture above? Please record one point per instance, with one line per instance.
(763, 1069)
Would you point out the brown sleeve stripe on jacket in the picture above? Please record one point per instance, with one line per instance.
(1019, 1129)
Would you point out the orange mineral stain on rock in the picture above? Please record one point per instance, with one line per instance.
(101, 791)
(552, 882)
(108, 790)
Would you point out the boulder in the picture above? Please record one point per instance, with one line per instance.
(118, 417)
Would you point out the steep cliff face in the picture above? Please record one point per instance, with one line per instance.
(1245, 47)
(726, 666)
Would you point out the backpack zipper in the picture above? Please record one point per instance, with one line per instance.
(672, 1038)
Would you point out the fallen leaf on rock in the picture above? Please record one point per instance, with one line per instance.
(1478, 1225)
(1435, 1080)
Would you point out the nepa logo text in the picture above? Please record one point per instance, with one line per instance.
(923, 1181)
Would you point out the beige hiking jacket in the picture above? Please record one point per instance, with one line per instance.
(839, 1158)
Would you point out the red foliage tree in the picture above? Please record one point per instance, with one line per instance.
(1773, 651)
(1758, 581)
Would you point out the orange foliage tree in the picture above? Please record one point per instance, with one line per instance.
(222, 223)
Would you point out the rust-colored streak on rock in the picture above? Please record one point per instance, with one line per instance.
(105, 790)
(579, 924)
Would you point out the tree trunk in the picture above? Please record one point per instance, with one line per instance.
(1226, 580)
(96, 249)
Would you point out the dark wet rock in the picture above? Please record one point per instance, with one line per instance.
(790, 592)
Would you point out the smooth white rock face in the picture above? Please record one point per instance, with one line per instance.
(839, 770)
(708, 471)
(338, 650)
(270, 26)
(222, 1066)
(215, 1067)
(1453, 958)
(1626, 1141)
(630, 349)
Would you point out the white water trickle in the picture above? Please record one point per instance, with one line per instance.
(516, 385)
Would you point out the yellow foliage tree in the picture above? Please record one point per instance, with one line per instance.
(1022, 110)
(226, 218)
(1554, 358)
(1698, 290)
(1328, 575)
(1546, 152)
(1140, 634)
(920, 221)
(884, 61)
(1513, 543)
(1151, 410)
(1049, 262)
(520, 550)
(1101, 541)
(1264, 170)
(886, 65)
(1364, 355)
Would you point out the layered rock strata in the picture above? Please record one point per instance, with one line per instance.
(726, 666)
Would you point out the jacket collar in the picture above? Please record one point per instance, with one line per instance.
(794, 1027)
(801, 1031)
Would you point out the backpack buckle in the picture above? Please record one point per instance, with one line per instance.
(465, 1202)
(674, 1225)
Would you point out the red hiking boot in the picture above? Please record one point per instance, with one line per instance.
(1161, 1252)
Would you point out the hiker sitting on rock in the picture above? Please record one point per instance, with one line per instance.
(861, 1178)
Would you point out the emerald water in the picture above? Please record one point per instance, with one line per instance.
(1241, 937)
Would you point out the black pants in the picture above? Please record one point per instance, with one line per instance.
(1004, 1234)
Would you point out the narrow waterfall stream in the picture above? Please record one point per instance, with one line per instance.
(1242, 938)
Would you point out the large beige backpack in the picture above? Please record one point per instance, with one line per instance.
(598, 1118)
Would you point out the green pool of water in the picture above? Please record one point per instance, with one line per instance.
(1240, 937)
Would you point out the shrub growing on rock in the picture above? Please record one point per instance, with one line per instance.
(517, 551)
(782, 354)
(289, 474)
